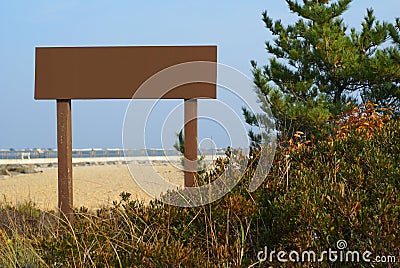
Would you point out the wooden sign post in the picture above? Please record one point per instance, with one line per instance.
(66, 73)
(190, 131)
(64, 145)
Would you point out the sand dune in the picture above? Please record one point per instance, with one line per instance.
(94, 186)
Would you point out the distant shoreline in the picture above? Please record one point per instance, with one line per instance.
(140, 160)
(77, 160)
(82, 153)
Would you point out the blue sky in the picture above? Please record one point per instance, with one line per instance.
(234, 26)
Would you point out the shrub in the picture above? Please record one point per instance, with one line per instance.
(346, 187)
(317, 192)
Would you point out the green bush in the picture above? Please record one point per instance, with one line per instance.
(338, 189)
(315, 194)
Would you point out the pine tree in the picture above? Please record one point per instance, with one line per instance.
(318, 65)
(385, 67)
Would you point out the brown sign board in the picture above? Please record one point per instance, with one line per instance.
(65, 73)
(117, 72)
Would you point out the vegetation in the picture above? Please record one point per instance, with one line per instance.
(180, 147)
(317, 192)
(318, 65)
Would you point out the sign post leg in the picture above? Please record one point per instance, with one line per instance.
(64, 144)
(190, 136)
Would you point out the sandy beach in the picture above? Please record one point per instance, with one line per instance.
(94, 186)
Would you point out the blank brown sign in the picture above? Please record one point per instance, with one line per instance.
(117, 72)
(65, 73)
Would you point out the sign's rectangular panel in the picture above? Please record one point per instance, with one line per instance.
(118, 72)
